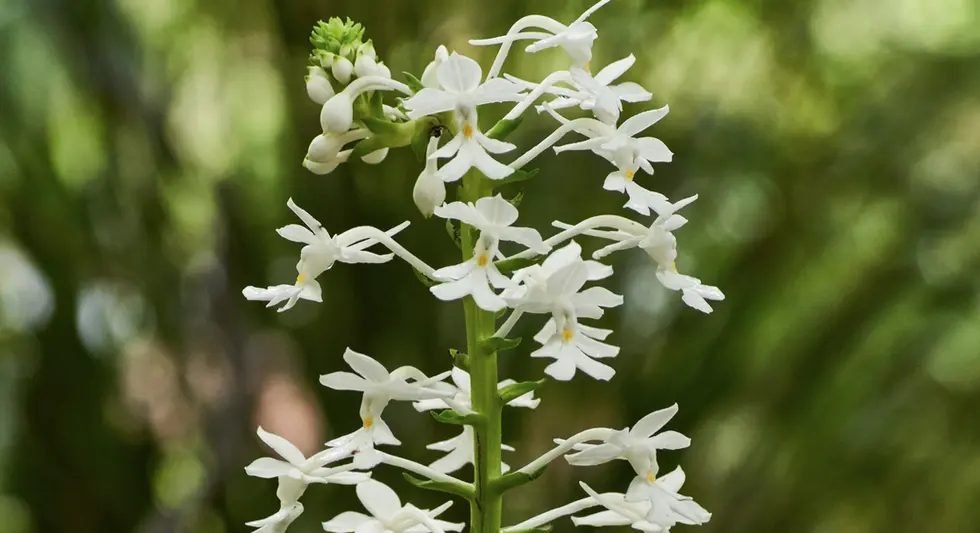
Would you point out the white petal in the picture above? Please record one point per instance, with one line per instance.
(673, 481)
(345, 522)
(653, 422)
(268, 468)
(696, 301)
(456, 272)
(459, 74)
(563, 369)
(496, 90)
(382, 433)
(527, 236)
(378, 498)
(594, 368)
(429, 101)
(497, 211)
(297, 233)
(669, 440)
(631, 92)
(454, 290)
(599, 296)
(594, 348)
(637, 123)
(596, 455)
(453, 461)
(653, 149)
(454, 169)
(449, 149)
(303, 215)
(283, 447)
(465, 213)
(614, 70)
(485, 298)
(366, 366)
(343, 381)
(492, 145)
(615, 181)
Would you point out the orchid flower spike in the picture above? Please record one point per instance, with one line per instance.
(296, 466)
(575, 39)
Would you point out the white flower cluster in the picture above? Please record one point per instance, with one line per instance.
(547, 276)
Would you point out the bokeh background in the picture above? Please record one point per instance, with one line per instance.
(147, 148)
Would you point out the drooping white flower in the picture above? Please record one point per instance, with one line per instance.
(325, 147)
(430, 77)
(322, 169)
(295, 465)
(337, 113)
(365, 65)
(459, 89)
(459, 449)
(493, 217)
(278, 522)
(429, 191)
(575, 346)
(575, 39)
(667, 506)
(318, 86)
(319, 254)
(693, 293)
(379, 387)
(638, 445)
(388, 515)
(620, 147)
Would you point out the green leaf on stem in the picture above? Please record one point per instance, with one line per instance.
(513, 480)
(512, 392)
(503, 128)
(516, 201)
(460, 359)
(413, 83)
(498, 344)
(463, 491)
(449, 416)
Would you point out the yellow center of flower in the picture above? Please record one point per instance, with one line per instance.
(566, 334)
(651, 477)
(482, 260)
(300, 278)
(588, 67)
(630, 174)
(368, 422)
(673, 266)
(467, 130)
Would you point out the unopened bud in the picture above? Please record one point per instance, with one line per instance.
(337, 114)
(318, 86)
(375, 157)
(341, 69)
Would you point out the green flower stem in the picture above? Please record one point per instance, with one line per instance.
(485, 508)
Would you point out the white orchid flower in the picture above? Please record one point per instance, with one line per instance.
(667, 506)
(620, 147)
(575, 39)
(295, 465)
(459, 452)
(337, 113)
(638, 445)
(594, 93)
(388, 515)
(575, 346)
(493, 217)
(619, 512)
(459, 89)
(379, 387)
(325, 149)
(319, 254)
(278, 522)
(322, 169)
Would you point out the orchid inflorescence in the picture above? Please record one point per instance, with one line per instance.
(437, 116)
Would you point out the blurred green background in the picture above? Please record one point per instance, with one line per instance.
(147, 148)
